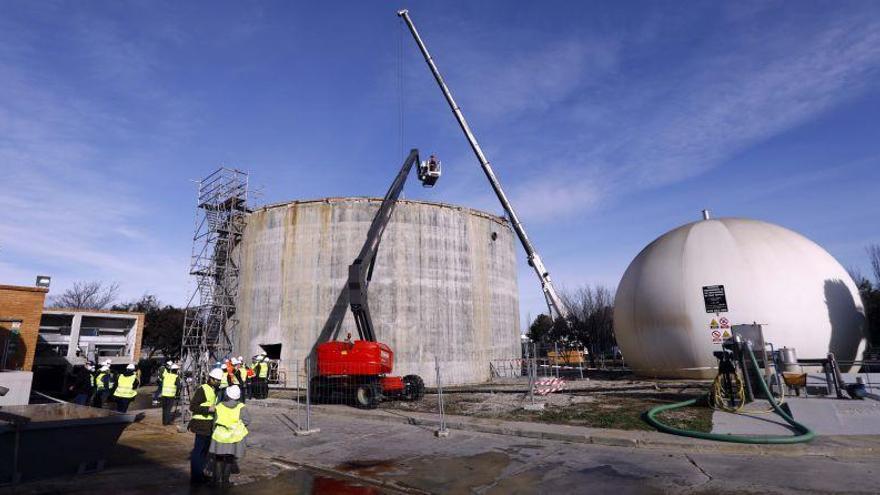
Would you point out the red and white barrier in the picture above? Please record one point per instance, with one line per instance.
(546, 386)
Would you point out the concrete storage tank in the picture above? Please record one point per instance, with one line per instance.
(771, 275)
(444, 284)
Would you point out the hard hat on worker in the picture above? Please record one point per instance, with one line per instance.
(174, 366)
(130, 366)
(233, 392)
(216, 374)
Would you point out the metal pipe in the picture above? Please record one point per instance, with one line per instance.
(554, 302)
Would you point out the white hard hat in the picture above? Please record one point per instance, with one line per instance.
(130, 366)
(240, 359)
(107, 362)
(216, 374)
(174, 366)
(105, 368)
(235, 361)
(169, 363)
(233, 392)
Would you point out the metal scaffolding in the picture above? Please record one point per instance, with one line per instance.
(210, 325)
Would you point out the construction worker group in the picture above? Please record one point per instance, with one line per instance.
(219, 417)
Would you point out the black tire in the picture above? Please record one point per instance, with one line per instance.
(413, 388)
(367, 395)
(318, 391)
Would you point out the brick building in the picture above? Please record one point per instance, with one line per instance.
(21, 309)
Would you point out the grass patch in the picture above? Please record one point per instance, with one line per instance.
(621, 413)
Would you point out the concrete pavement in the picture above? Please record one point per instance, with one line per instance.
(407, 458)
(378, 452)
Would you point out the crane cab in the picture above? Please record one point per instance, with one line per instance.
(429, 171)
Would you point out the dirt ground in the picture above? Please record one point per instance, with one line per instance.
(622, 411)
(610, 400)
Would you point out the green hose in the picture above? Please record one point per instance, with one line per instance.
(804, 434)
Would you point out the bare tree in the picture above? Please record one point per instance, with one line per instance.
(87, 295)
(874, 256)
(591, 318)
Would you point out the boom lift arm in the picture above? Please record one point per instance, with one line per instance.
(360, 272)
(554, 303)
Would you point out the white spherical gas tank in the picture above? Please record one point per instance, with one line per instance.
(669, 314)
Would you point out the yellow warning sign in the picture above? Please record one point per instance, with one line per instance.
(714, 324)
(726, 334)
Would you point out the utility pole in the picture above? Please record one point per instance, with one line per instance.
(554, 303)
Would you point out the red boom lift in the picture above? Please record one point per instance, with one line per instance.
(359, 371)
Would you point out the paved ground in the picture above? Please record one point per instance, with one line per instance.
(374, 455)
(410, 457)
(825, 416)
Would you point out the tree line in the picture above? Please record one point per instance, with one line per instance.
(589, 325)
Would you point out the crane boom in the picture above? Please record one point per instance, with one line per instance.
(554, 303)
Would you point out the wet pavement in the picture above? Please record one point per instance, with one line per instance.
(357, 456)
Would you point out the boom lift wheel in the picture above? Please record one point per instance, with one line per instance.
(413, 388)
(367, 395)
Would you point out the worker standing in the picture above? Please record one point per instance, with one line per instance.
(81, 386)
(126, 388)
(159, 375)
(264, 376)
(170, 391)
(103, 384)
(202, 406)
(241, 377)
(255, 379)
(230, 430)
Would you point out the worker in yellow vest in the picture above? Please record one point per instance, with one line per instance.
(126, 388)
(230, 430)
(241, 377)
(202, 405)
(103, 384)
(159, 375)
(260, 381)
(169, 388)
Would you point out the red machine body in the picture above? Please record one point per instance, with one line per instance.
(354, 358)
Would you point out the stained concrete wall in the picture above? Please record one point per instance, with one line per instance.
(442, 286)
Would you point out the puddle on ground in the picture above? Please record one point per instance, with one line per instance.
(295, 482)
(433, 474)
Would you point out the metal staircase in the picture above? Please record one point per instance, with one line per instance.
(210, 325)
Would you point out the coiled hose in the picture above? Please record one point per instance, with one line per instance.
(804, 434)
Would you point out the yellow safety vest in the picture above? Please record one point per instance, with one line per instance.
(228, 427)
(99, 380)
(264, 370)
(169, 384)
(210, 399)
(125, 387)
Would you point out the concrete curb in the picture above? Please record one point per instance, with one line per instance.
(838, 446)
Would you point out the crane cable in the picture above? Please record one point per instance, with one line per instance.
(401, 83)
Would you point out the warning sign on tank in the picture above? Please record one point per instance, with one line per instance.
(714, 324)
(714, 299)
(725, 323)
(716, 337)
(726, 334)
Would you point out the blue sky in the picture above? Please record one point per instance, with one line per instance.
(608, 122)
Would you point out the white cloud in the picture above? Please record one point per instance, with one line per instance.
(577, 121)
(68, 209)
